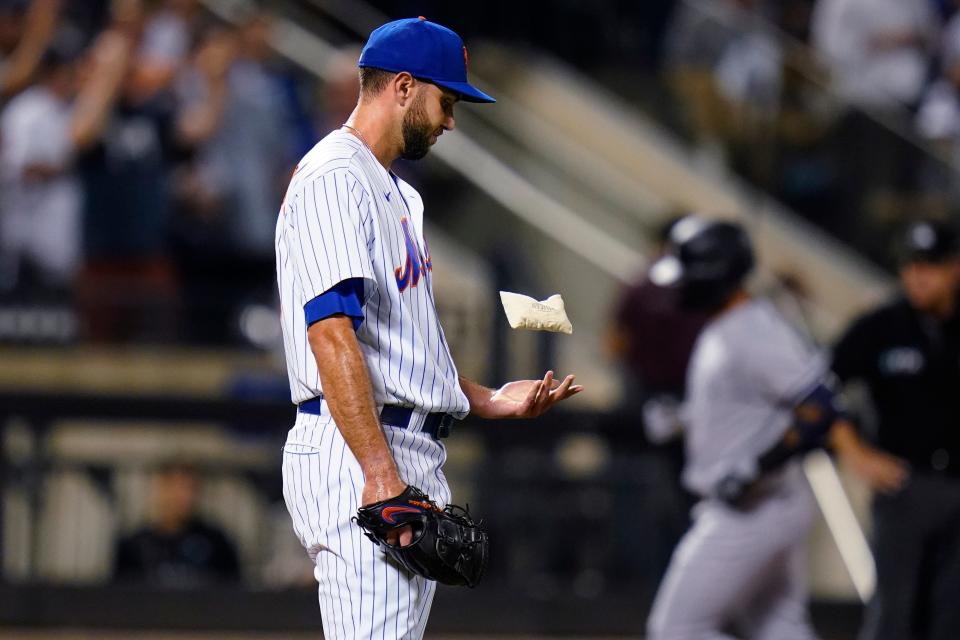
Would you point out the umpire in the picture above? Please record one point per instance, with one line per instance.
(908, 354)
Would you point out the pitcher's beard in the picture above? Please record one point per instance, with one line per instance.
(416, 131)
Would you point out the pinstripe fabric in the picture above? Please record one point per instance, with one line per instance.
(344, 216)
(361, 593)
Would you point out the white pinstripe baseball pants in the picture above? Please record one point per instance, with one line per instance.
(361, 593)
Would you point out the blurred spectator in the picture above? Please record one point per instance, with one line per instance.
(26, 30)
(938, 121)
(878, 53)
(40, 196)
(248, 152)
(168, 37)
(177, 549)
(697, 36)
(748, 72)
(41, 131)
(224, 112)
(203, 94)
(241, 111)
(127, 287)
(938, 118)
(726, 69)
(877, 50)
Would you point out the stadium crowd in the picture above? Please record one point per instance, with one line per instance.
(113, 107)
(846, 110)
(144, 147)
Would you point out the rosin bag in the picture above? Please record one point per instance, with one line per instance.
(523, 312)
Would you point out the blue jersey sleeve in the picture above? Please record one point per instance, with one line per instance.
(345, 297)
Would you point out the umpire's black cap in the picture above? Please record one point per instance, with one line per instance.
(929, 241)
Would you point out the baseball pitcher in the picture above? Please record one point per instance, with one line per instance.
(368, 363)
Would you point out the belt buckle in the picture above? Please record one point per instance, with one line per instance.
(443, 428)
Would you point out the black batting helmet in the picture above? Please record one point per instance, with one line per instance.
(706, 261)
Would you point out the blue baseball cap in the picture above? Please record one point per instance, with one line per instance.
(425, 50)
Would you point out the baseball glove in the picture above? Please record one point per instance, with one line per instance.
(447, 546)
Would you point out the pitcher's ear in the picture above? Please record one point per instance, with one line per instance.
(403, 84)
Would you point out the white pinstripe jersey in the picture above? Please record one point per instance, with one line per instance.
(345, 216)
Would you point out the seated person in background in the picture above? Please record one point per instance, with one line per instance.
(177, 549)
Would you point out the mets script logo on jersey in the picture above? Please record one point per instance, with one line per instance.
(408, 274)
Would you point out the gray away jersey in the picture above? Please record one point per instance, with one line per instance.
(345, 216)
(748, 370)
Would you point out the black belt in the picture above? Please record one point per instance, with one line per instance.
(435, 424)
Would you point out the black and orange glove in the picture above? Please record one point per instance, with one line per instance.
(447, 545)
